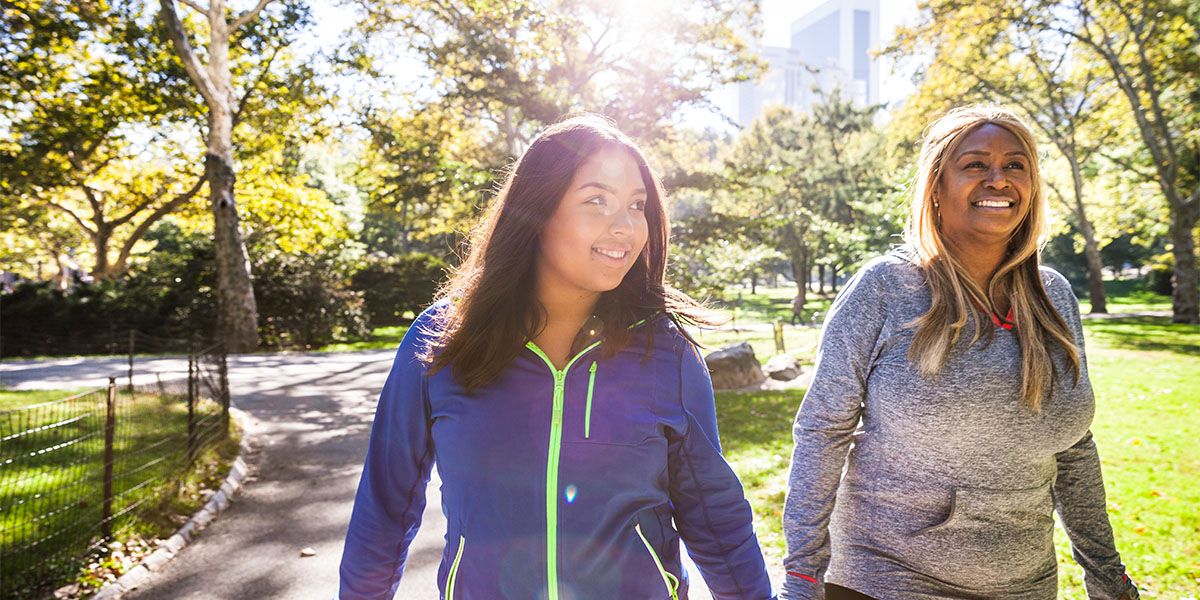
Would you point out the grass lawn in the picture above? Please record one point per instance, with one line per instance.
(1146, 375)
(1127, 295)
(10, 400)
(381, 338)
(770, 303)
(51, 476)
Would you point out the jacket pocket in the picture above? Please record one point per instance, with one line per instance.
(991, 540)
(610, 406)
(452, 578)
(669, 580)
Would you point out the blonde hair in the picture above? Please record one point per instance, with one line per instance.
(956, 296)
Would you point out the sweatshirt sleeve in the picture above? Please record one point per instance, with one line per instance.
(824, 427)
(710, 508)
(391, 493)
(1079, 496)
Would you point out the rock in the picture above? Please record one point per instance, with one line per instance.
(308, 552)
(734, 367)
(783, 367)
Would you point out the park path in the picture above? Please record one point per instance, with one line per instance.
(308, 421)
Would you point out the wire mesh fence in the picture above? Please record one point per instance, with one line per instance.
(78, 471)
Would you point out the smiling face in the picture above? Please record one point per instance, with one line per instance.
(984, 189)
(597, 231)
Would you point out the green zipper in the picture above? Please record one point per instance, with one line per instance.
(587, 413)
(462, 542)
(555, 448)
(669, 580)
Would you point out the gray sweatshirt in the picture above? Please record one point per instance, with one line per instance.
(907, 487)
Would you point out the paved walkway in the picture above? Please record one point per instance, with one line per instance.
(309, 420)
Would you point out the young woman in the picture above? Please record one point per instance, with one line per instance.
(951, 386)
(570, 418)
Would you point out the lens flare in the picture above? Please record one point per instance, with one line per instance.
(570, 492)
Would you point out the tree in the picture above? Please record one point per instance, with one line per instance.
(426, 173)
(988, 52)
(814, 183)
(70, 148)
(213, 79)
(1152, 48)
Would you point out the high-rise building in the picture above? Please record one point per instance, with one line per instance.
(830, 48)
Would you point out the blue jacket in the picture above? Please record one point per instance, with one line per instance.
(556, 484)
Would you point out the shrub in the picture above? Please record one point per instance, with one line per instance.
(1159, 280)
(391, 285)
(303, 300)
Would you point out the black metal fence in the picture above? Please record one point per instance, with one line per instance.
(79, 471)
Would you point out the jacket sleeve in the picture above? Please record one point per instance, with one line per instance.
(1079, 496)
(391, 493)
(710, 508)
(824, 426)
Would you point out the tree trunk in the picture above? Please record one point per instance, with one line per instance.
(1091, 249)
(238, 311)
(821, 279)
(100, 239)
(1185, 300)
(800, 273)
(833, 280)
(753, 282)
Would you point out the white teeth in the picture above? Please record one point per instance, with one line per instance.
(994, 203)
(617, 254)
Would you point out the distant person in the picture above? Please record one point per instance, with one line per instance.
(952, 387)
(570, 417)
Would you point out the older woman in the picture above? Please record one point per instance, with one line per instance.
(951, 385)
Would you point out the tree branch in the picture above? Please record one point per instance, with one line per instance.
(248, 16)
(1125, 164)
(82, 224)
(266, 67)
(183, 49)
(196, 7)
(140, 231)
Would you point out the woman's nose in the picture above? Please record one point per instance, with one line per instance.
(622, 221)
(996, 178)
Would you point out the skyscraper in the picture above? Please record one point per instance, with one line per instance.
(829, 49)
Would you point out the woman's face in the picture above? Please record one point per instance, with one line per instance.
(597, 231)
(984, 189)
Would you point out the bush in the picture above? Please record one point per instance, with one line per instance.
(169, 295)
(391, 285)
(1159, 280)
(303, 300)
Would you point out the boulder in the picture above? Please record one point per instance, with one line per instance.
(734, 367)
(782, 367)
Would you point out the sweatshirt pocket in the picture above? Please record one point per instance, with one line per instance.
(991, 540)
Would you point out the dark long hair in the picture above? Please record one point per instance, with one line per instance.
(493, 309)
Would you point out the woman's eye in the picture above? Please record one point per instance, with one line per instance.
(597, 200)
(639, 205)
(1016, 165)
(974, 165)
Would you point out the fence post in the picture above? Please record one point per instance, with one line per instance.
(132, 332)
(191, 401)
(110, 424)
